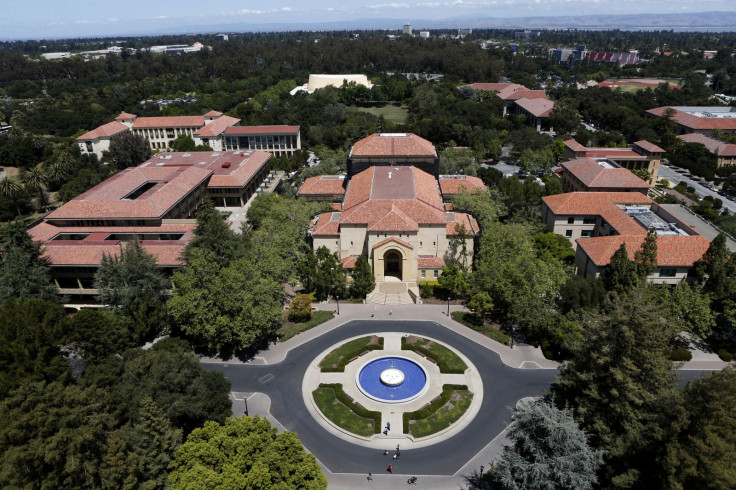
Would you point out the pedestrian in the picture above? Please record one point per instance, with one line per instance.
(390, 312)
(385, 452)
(385, 432)
(396, 455)
(390, 469)
(397, 448)
(388, 425)
(370, 476)
(373, 314)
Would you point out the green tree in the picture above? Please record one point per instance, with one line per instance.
(330, 276)
(183, 142)
(363, 279)
(129, 150)
(10, 189)
(35, 179)
(131, 280)
(689, 309)
(244, 453)
(553, 247)
(96, 334)
(621, 274)
(213, 234)
(482, 305)
(645, 259)
(300, 308)
(536, 160)
(24, 272)
(622, 389)
(564, 120)
(642, 173)
(548, 451)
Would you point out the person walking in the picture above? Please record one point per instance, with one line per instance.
(385, 452)
(396, 456)
(390, 469)
(388, 425)
(370, 476)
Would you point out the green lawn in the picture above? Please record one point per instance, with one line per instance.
(448, 361)
(444, 415)
(390, 113)
(289, 330)
(341, 414)
(335, 361)
(471, 321)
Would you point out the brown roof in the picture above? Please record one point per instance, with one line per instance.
(603, 204)
(430, 262)
(452, 184)
(105, 200)
(463, 219)
(169, 122)
(593, 175)
(216, 127)
(648, 146)
(527, 94)
(254, 130)
(125, 115)
(349, 261)
(213, 113)
(393, 144)
(323, 185)
(104, 131)
(715, 146)
(694, 122)
(672, 251)
(538, 107)
(574, 145)
(166, 253)
(328, 224)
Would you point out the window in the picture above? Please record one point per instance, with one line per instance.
(667, 272)
(589, 220)
(568, 233)
(570, 220)
(585, 233)
(436, 273)
(351, 243)
(420, 244)
(424, 273)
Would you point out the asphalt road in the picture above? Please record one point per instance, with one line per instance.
(503, 387)
(668, 172)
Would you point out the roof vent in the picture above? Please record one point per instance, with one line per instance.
(389, 175)
(187, 155)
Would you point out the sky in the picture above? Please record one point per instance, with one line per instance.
(36, 19)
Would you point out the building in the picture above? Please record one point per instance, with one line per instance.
(278, 140)
(424, 34)
(641, 155)
(536, 111)
(527, 34)
(153, 203)
(461, 33)
(520, 100)
(221, 37)
(407, 29)
(725, 152)
(321, 81)
(599, 175)
(392, 149)
(394, 214)
(620, 59)
(566, 55)
(160, 131)
(597, 223)
(703, 120)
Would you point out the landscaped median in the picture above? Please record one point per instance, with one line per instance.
(440, 413)
(344, 412)
(335, 361)
(473, 322)
(446, 360)
(289, 330)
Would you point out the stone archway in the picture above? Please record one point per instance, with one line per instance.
(392, 264)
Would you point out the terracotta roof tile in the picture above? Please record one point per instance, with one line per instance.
(602, 204)
(393, 144)
(672, 251)
(125, 115)
(328, 224)
(169, 122)
(715, 146)
(452, 184)
(323, 185)
(594, 175)
(104, 131)
(216, 127)
(166, 253)
(538, 107)
(694, 122)
(213, 114)
(256, 130)
(648, 146)
(430, 262)
(349, 261)
(574, 145)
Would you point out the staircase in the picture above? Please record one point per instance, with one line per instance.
(391, 292)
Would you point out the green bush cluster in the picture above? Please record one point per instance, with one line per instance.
(433, 406)
(354, 406)
(475, 323)
(679, 354)
(288, 331)
(335, 361)
(426, 288)
(446, 360)
(725, 355)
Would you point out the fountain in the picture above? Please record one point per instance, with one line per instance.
(392, 379)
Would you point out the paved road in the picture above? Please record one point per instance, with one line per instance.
(503, 387)
(668, 172)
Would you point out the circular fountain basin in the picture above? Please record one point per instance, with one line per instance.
(392, 379)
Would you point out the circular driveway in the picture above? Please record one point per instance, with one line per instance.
(282, 383)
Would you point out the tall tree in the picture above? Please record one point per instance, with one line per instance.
(129, 150)
(35, 179)
(10, 189)
(330, 276)
(213, 234)
(548, 451)
(646, 258)
(24, 272)
(363, 279)
(244, 453)
(621, 274)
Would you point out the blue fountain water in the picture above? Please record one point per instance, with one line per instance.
(369, 379)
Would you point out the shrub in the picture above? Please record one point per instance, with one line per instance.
(433, 406)
(347, 352)
(426, 288)
(354, 406)
(457, 367)
(300, 308)
(679, 354)
(725, 355)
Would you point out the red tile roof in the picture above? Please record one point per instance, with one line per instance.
(104, 131)
(527, 94)
(336, 206)
(323, 185)
(105, 200)
(43, 232)
(496, 87)
(125, 115)
(430, 262)
(216, 127)
(166, 253)
(614, 153)
(395, 240)
(452, 184)
(574, 145)
(213, 114)
(463, 219)
(538, 107)
(672, 251)
(169, 122)
(349, 261)
(603, 204)
(256, 130)
(715, 146)
(694, 122)
(393, 144)
(650, 147)
(328, 224)
(594, 176)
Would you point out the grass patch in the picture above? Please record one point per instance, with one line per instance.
(448, 361)
(335, 361)
(289, 330)
(442, 412)
(471, 321)
(390, 113)
(337, 406)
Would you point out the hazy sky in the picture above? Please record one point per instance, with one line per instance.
(32, 19)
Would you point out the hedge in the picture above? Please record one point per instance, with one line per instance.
(349, 355)
(433, 406)
(441, 363)
(354, 406)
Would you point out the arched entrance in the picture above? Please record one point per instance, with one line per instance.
(392, 262)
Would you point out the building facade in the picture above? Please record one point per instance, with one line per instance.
(641, 155)
(278, 140)
(703, 120)
(724, 152)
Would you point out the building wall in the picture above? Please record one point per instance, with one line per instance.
(96, 146)
(273, 143)
(161, 138)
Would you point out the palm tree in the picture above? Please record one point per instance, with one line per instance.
(35, 179)
(11, 189)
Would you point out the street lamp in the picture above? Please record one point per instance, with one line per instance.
(481, 469)
(337, 297)
(245, 399)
